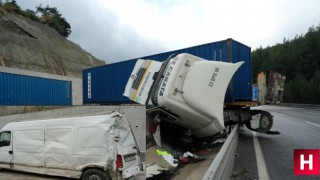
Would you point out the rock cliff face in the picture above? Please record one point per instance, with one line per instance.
(30, 45)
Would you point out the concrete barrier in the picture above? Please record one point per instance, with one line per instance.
(222, 165)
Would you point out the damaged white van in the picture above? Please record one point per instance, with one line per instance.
(91, 147)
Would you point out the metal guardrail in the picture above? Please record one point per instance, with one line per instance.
(222, 165)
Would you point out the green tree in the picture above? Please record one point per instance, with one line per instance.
(30, 14)
(299, 60)
(52, 17)
(315, 86)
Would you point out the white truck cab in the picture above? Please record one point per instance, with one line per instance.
(79, 147)
(189, 91)
(190, 88)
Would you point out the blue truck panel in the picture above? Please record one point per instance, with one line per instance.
(106, 84)
(21, 90)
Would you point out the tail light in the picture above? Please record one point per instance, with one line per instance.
(119, 162)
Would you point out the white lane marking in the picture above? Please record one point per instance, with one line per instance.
(261, 164)
(313, 124)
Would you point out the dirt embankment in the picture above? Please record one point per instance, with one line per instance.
(30, 45)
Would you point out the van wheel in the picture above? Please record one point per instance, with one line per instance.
(95, 174)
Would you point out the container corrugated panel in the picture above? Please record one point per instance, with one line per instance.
(20, 90)
(106, 84)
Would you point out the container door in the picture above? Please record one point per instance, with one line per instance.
(6, 153)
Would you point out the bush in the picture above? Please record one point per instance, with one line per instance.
(48, 15)
(301, 90)
(30, 14)
(12, 7)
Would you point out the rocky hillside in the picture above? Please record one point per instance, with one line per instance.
(30, 45)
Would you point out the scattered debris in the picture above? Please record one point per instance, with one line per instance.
(168, 157)
(184, 160)
(160, 153)
(192, 157)
(220, 141)
(170, 160)
(178, 150)
(154, 170)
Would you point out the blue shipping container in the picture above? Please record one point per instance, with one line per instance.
(106, 84)
(20, 90)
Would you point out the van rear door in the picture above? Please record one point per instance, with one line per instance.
(6, 149)
(128, 153)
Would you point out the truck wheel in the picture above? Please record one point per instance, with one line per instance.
(266, 121)
(265, 124)
(95, 174)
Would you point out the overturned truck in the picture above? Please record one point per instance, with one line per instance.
(189, 92)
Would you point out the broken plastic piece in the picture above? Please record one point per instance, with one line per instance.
(220, 141)
(187, 154)
(154, 170)
(193, 157)
(160, 153)
(169, 158)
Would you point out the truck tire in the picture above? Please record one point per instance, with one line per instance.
(266, 122)
(95, 174)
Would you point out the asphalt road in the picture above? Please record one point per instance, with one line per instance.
(13, 175)
(299, 128)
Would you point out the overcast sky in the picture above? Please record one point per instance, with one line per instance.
(117, 30)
